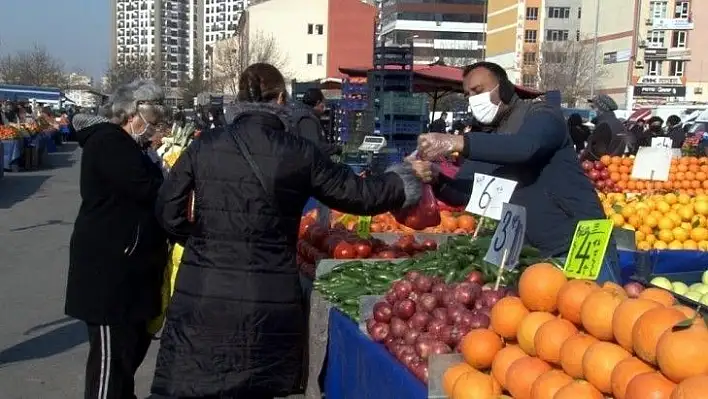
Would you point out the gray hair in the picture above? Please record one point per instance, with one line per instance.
(143, 95)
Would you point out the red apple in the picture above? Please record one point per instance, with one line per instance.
(587, 166)
(599, 165)
(594, 175)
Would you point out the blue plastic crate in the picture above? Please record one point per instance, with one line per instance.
(354, 88)
(401, 127)
(354, 105)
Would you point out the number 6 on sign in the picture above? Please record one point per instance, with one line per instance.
(509, 236)
(489, 193)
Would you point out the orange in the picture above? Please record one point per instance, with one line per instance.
(551, 337)
(666, 235)
(528, 328)
(475, 385)
(680, 234)
(549, 383)
(571, 297)
(503, 360)
(648, 330)
(597, 311)
(599, 361)
(606, 159)
(478, 347)
(522, 374)
(699, 234)
(539, 285)
(691, 388)
(572, 352)
(658, 295)
(623, 373)
(682, 354)
(451, 375)
(466, 222)
(666, 223)
(650, 385)
(579, 389)
(626, 315)
(506, 316)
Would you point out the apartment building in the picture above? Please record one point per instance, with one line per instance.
(449, 29)
(219, 21)
(646, 50)
(163, 31)
(312, 38)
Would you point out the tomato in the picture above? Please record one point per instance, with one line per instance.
(344, 250)
(430, 245)
(363, 249)
(387, 254)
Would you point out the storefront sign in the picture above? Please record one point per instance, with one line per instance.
(655, 54)
(678, 54)
(660, 80)
(671, 24)
(660, 91)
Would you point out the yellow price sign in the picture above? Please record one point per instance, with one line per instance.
(363, 227)
(587, 250)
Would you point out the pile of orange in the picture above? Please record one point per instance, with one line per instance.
(687, 175)
(661, 221)
(450, 222)
(576, 339)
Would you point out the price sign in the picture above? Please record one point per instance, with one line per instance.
(489, 193)
(508, 236)
(661, 142)
(587, 250)
(363, 227)
(652, 163)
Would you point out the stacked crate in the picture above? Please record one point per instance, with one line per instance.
(353, 116)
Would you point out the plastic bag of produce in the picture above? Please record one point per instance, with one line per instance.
(168, 287)
(423, 215)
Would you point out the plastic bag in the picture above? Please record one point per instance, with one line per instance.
(168, 287)
(422, 215)
(448, 168)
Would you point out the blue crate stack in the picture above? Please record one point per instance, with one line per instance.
(354, 121)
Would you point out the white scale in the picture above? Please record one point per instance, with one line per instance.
(372, 144)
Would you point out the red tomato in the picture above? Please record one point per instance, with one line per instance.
(363, 249)
(344, 250)
(386, 254)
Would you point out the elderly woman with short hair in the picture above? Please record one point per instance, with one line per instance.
(118, 251)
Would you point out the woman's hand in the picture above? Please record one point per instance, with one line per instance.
(426, 171)
(435, 145)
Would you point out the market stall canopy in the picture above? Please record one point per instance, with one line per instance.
(18, 93)
(435, 78)
(641, 113)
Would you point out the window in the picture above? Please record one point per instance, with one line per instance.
(530, 58)
(577, 35)
(309, 59)
(528, 80)
(654, 68)
(319, 59)
(310, 29)
(676, 68)
(682, 10)
(657, 8)
(554, 57)
(530, 36)
(553, 35)
(531, 13)
(559, 12)
(320, 29)
(580, 12)
(656, 39)
(679, 39)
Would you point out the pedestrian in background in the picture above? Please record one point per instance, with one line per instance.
(118, 251)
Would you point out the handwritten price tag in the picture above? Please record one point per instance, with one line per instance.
(363, 227)
(662, 142)
(587, 250)
(489, 193)
(652, 163)
(509, 236)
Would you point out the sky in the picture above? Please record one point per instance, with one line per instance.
(77, 32)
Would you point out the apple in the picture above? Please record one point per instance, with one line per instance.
(679, 287)
(661, 282)
(604, 174)
(704, 299)
(704, 278)
(587, 166)
(694, 295)
(599, 165)
(594, 175)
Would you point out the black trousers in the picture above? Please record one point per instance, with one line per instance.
(115, 353)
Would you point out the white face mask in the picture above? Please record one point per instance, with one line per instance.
(482, 107)
(141, 136)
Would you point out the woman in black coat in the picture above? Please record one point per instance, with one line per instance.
(579, 133)
(236, 325)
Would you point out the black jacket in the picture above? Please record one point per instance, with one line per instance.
(118, 251)
(530, 144)
(236, 323)
(610, 137)
(677, 135)
(308, 126)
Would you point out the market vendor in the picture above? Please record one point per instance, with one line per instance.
(528, 143)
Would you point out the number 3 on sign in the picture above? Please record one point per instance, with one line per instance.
(488, 195)
(508, 236)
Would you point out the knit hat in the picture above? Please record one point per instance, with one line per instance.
(603, 102)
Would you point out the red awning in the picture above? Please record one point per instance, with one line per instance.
(435, 77)
(641, 113)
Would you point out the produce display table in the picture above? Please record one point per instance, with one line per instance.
(360, 368)
(12, 152)
(663, 262)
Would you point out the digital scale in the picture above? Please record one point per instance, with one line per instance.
(372, 144)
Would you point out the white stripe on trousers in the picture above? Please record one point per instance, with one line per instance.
(104, 378)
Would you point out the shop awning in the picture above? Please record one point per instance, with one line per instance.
(640, 113)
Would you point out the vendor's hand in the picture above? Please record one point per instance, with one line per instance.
(432, 146)
(425, 170)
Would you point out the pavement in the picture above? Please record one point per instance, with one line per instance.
(43, 352)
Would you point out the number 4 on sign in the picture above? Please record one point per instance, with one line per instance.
(508, 238)
(488, 195)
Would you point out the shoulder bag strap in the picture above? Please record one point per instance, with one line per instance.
(249, 158)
